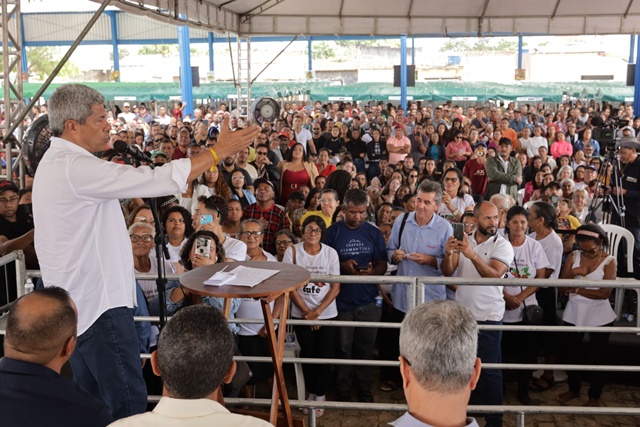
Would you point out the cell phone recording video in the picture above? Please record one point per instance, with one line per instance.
(458, 231)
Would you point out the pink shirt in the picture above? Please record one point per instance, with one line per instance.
(560, 148)
(456, 148)
(394, 158)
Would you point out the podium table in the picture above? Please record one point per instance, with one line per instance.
(289, 278)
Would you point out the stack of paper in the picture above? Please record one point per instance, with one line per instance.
(240, 276)
(220, 278)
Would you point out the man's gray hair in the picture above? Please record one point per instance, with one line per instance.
(72, 102)
(439, 339)
(428, 186)
(148, 228)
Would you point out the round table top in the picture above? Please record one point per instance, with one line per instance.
(289, 277)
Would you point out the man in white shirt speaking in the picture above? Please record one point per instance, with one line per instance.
(81, 238)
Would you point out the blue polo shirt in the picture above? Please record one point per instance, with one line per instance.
(364, 244)
(34, 395)
(430, 239)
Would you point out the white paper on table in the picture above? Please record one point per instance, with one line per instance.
(243, 276)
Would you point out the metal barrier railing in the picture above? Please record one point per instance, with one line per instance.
(415, 297)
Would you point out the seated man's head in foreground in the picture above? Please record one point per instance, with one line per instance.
(438, 347)
(195, 353)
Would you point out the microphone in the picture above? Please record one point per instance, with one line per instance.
(123, 148)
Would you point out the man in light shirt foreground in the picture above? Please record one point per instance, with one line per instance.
(194, 357)
(438, 363)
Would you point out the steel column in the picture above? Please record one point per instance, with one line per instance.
(632, 49)
(636, 86)
(413, 51)
(403, 71)
(114, 43)
(211, 63)
(519, 52)
(186, 82)
(310, 52)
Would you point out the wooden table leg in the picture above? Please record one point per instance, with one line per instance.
(276, 345)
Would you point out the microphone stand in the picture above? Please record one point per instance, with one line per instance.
(162, 252)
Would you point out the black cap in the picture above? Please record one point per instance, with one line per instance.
(8, 185)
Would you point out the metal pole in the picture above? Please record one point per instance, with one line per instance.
(25, 63)
(636, 84)
(211, 63)
(520, 419)
(114, 43)
(519, 52)
(310, 53)
(632, 49)
(413, 51)
(186, 82)
(61, 64)
(403, 71)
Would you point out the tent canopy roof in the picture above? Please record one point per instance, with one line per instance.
(435, 18)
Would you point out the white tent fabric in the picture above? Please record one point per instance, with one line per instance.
(435, 18)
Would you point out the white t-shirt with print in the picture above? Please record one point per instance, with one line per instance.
(325, 262)
(552, 246)
(235, 249)
(530, 257)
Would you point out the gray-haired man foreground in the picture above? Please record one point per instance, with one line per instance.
(438, 363)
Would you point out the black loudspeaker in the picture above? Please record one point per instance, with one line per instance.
(631, 74)
(411, 75)
(195, 76)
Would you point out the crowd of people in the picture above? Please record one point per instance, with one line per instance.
(341, 189)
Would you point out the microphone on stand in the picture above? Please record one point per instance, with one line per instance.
(123, 148)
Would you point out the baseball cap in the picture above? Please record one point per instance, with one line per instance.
(629, 142)
(8, 185)
(479, 144)
(157, 153)
(126, 104)
(283, 134)
(257, 182)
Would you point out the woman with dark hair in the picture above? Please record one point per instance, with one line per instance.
(210, 183)
(315, 301)
(312, 202)
(543, 222)
(295, 172)
(335, 141)
(339, 181)
(459, 150)
(240, 191)
(177, 224)
(284, 239)
(529, 262)
(436, 150)
(329, 202)
(431, 171)
(588, 307)
(454, 201)
(143, 214)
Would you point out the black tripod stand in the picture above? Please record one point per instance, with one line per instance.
(609, 176)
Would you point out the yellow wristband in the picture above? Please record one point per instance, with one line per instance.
(215, 159)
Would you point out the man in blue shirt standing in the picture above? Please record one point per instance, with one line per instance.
(417, 246)
(361, 251)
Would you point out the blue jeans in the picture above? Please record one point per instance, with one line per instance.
(489, 388)
(106, 363)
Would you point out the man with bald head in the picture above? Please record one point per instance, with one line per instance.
(483, 254)
(41, 336)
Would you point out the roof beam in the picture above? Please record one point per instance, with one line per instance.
(481, 18)
(410, 9)
(555, 9)
(261, 8)
(626, 12)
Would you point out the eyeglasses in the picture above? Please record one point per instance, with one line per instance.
(261, 153)
(251, 233)
(451, 179)
(283, 242)
(312, 230)
(146, 238)
(237, 178)
(413, 176)
(9, 201)
(323, 201)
